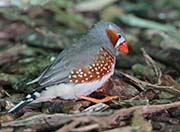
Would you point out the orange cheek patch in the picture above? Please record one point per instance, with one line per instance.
(112, 36)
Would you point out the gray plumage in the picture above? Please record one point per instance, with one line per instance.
(78, 54)
(81, 53)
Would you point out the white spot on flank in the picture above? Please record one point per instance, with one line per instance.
(106, 64)
(97, 72)
(74, 76)
(81, 73)
(104, 68)
(72, 72)
(85, 74)
(80, 70)
(76, 81)
(86, 79)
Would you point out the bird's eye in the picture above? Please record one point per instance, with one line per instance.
(119, 36)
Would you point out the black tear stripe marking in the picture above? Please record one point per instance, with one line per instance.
(28, 99)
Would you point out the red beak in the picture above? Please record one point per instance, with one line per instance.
(123, 47)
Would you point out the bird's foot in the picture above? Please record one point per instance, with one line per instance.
(94, 100)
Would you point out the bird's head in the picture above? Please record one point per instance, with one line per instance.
(117, 38)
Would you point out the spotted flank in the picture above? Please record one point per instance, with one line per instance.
(101, 66)
(28, 99)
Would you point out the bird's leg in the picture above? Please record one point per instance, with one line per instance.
(94, 100)
(103, 87)
(100, 90)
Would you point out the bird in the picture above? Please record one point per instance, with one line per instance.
(81, 68)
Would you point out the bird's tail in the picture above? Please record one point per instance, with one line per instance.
(29, 98)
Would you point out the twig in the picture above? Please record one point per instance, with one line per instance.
(146, 85)
(106, 121)
(147, 109)
(86, 128)
(154, 66)
(53, 120)
(68, 127)
(96, 107)
(124, 129)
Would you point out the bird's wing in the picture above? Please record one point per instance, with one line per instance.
(78, 54)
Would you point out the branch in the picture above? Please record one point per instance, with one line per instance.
(104, 119)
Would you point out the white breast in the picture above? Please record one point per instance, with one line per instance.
(72, 91)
